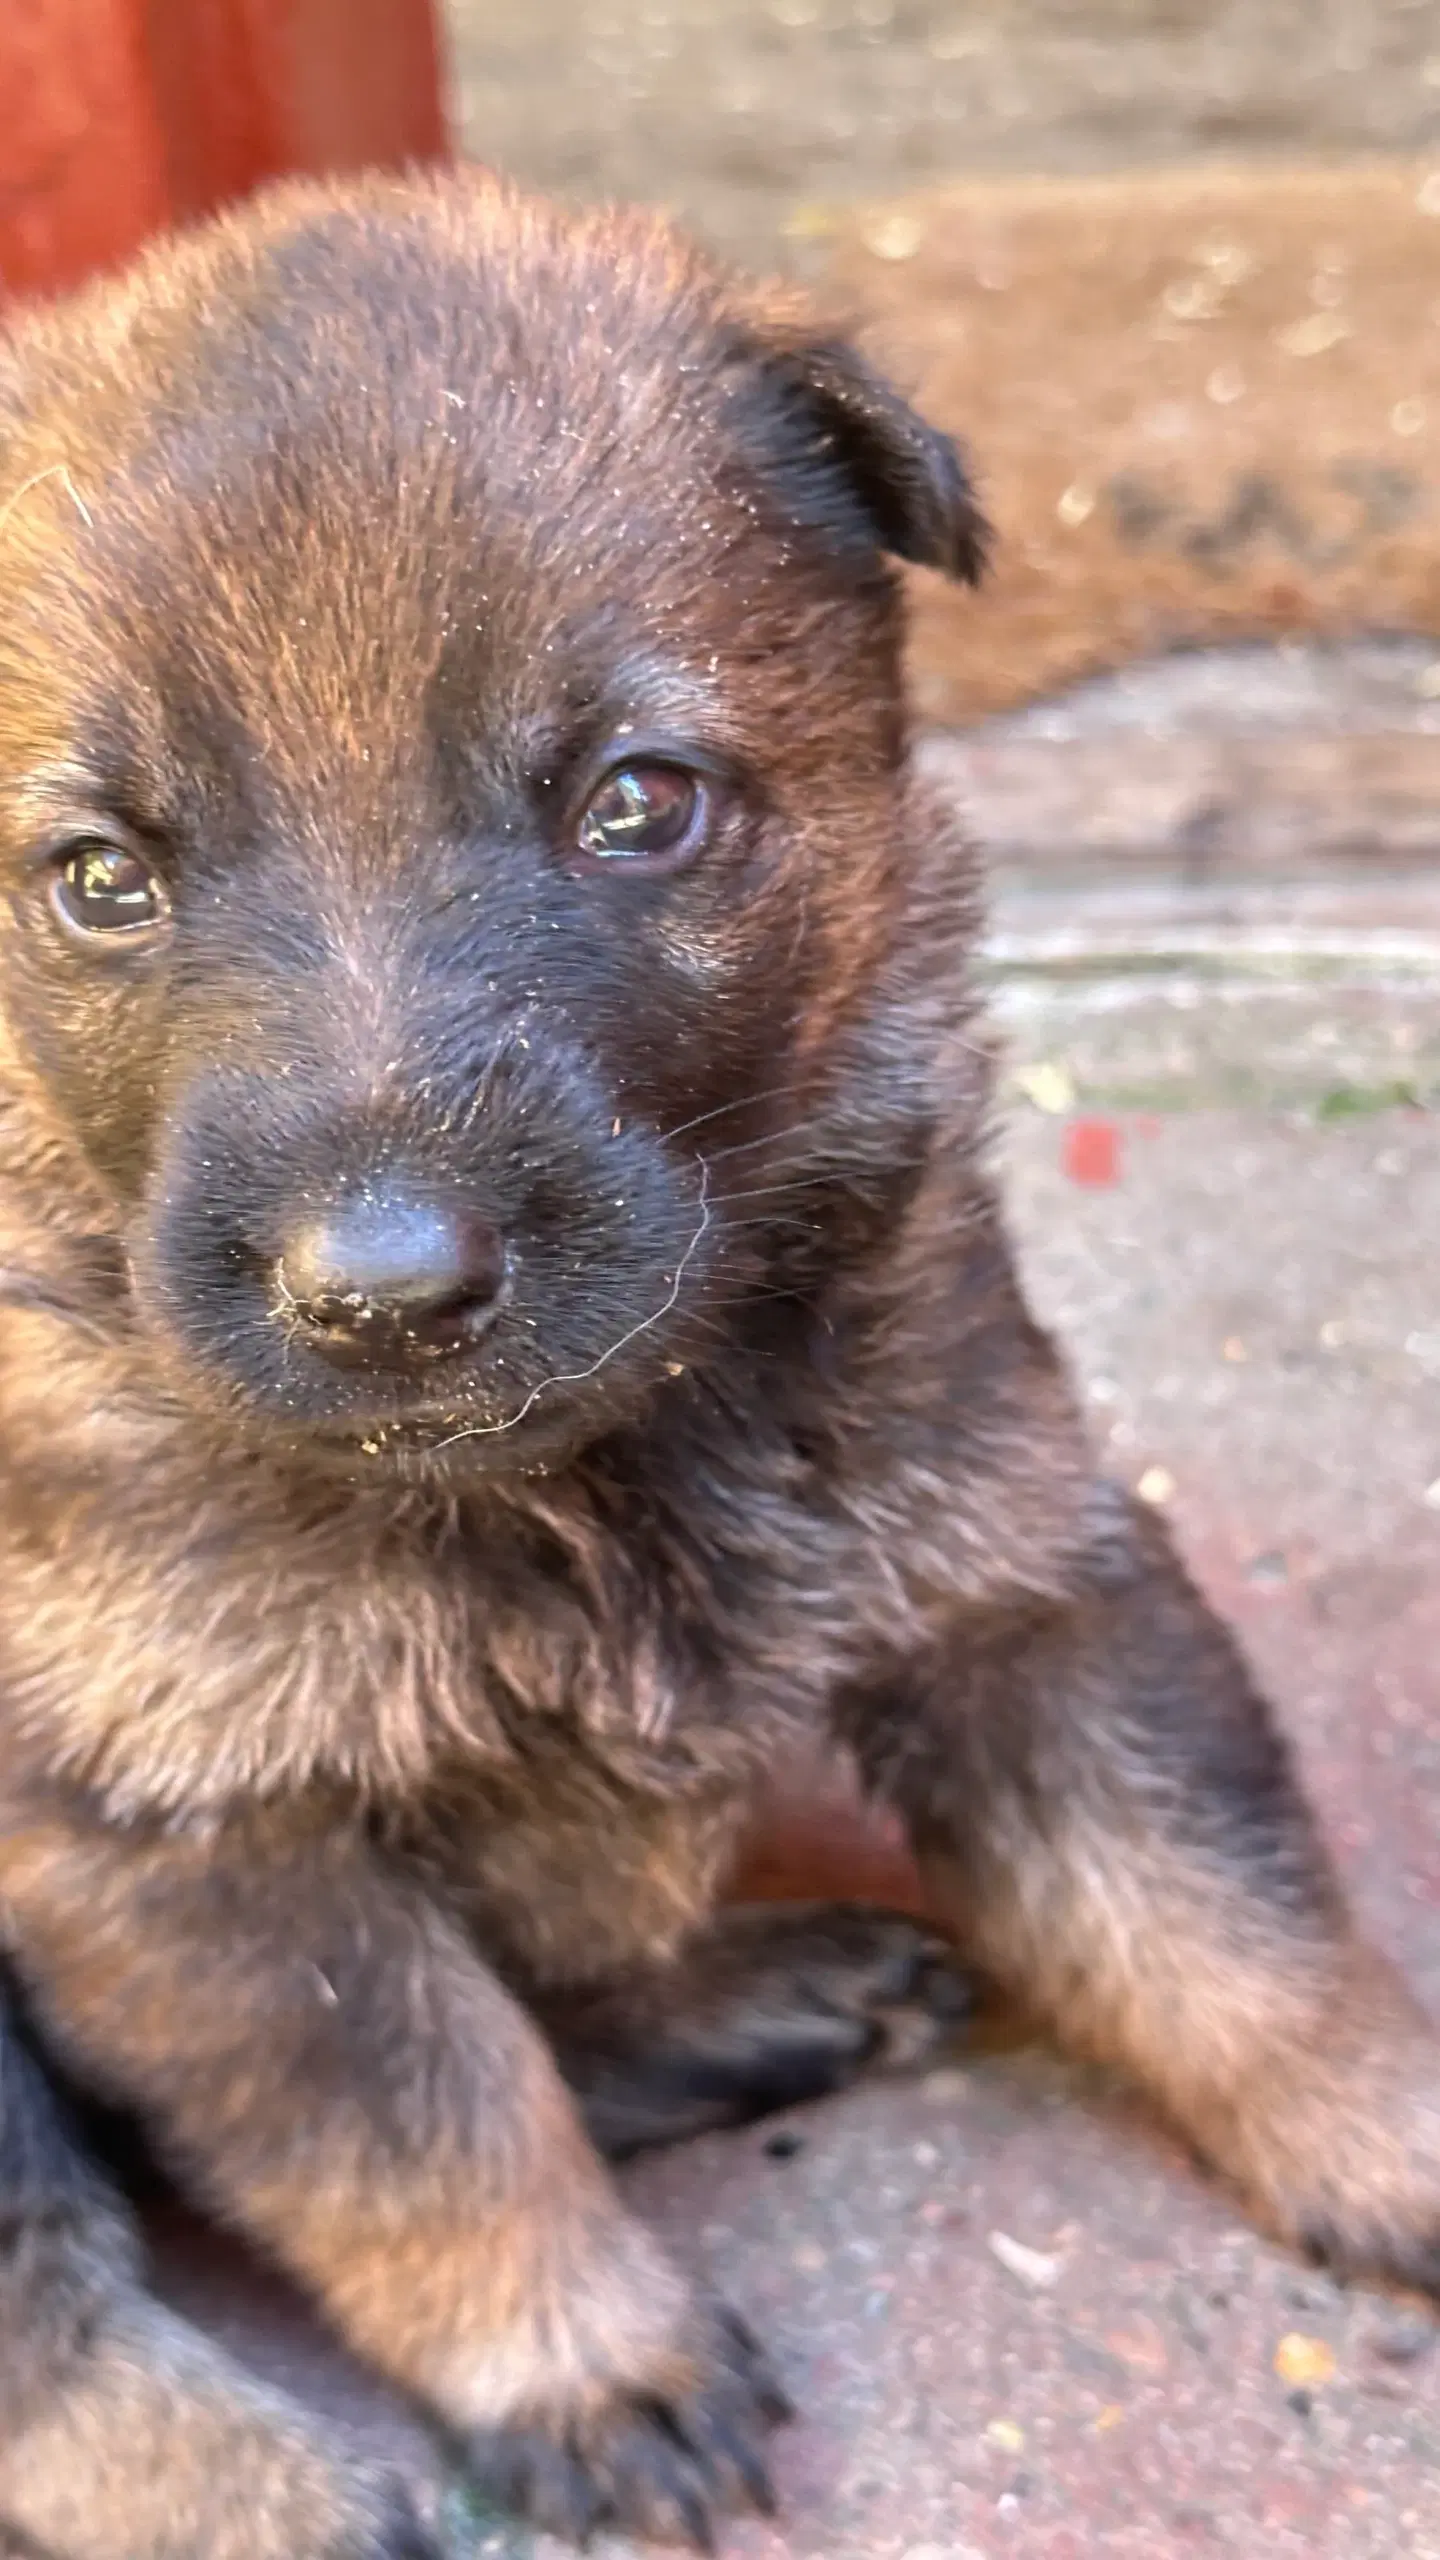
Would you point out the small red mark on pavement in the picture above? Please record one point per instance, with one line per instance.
(1090, 1153)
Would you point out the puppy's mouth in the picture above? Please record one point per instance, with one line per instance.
(442, 1438)
(490, 1433)
(444, 1442)
(490, 1425)
(437, 1296)
(406, 1334)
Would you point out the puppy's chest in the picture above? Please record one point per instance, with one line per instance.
(566, 1869)
(584, 1818)
(233, 1658)
(633, 1748)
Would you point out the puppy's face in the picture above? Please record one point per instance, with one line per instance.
(449, 795)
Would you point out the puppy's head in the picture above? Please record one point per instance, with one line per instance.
(450, 785)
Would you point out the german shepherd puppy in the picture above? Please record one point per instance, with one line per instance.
(507, 1326)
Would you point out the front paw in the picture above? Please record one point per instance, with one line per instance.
(1371, 2209)
(389, 2529)
(663, 2462)
(1339, 2144)
(160, 2449)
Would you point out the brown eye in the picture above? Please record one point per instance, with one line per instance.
(105, 889)
(650, 814)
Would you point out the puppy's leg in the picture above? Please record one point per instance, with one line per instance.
(1106, 1811)
(323, 2057)
(769, 2006)
(123, 2431)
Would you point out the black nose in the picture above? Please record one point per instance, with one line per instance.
(387, 1281)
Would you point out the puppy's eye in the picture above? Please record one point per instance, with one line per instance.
(651, 815)
(103, 888)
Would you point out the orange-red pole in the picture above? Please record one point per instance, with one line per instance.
(120, 116)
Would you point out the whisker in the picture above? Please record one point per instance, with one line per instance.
(774, 1190)
(577, 1377)
(747, 1101)
(770, 1138)
(773, 1226)
(52, 471)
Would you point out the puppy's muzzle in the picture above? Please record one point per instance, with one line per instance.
(387, 1280)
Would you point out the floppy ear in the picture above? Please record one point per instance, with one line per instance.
(857, 462)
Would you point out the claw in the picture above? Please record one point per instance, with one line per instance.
(726, 2447)
(541, 2480)
(696, 2516)
(757, 2372)
(649, 2466)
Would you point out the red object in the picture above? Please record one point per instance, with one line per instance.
(1090, 1153)
(814, 1839)
(118, 117)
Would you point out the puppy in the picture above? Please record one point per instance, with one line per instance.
(506, 1325)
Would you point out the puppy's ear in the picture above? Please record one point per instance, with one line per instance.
(855, 460)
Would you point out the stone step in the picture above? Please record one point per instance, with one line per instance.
(1215, 877)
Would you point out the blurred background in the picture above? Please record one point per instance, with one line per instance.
(1172, 271)
(745, 116)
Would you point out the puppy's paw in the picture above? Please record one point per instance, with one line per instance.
(877, 1989)
(160, 2446)
(324, 2507)
(251, 2481)
(1371, 2204)
(385, 2528)
(664, 2463)
(774, 2005)
(1340, 2145)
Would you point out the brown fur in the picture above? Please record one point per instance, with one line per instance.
(372, 1753)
